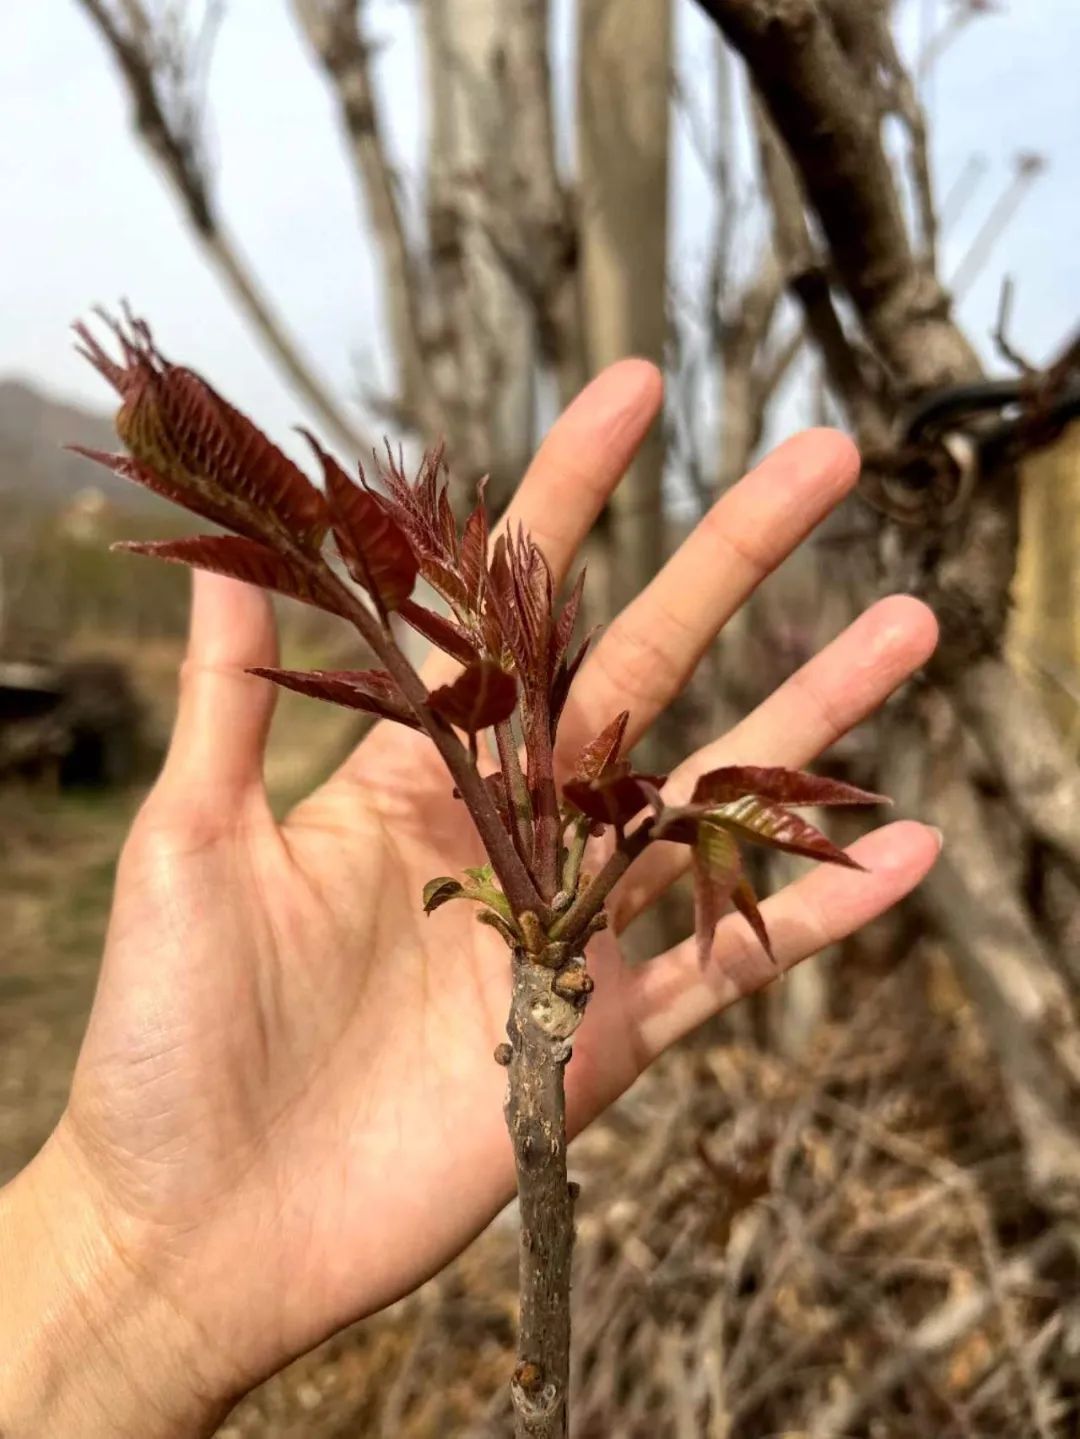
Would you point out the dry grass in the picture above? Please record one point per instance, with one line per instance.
(839, 1246)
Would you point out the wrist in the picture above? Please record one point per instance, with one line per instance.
(91, 1345)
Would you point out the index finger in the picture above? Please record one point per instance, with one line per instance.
(580, 461)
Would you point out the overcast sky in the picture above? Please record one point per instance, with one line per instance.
(87, 221)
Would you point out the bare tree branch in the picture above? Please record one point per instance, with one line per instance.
(831, 129)
(546, 204)
(747, 381)
(154, 74)
(333, 31)
(847, 371)
(1027, 169)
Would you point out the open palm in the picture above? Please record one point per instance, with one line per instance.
(286, 1104)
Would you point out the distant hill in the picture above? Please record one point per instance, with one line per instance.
(35, 469)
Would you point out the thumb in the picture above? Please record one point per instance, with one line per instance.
(223, 715)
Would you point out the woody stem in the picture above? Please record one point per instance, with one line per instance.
(517, 883)
(517, 790)
(540, 1027)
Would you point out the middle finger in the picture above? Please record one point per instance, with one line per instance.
(651, 649)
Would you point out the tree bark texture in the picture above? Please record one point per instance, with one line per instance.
(623, 107)
(541, 1026)
(484, 364)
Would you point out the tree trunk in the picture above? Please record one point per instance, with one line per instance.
(624, 65)
(484, 362)
(1044, 627)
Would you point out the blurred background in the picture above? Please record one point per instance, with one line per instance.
(853, 1207)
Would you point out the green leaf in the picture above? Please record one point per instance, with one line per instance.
(481, 889)
(440, 891)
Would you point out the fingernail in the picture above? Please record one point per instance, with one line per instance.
(938, 835)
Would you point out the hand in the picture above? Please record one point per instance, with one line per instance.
(285, 1113)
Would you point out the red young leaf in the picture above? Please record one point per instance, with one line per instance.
(564, 678)
(763, 822)
(204, 453)
(372, 691)
(440, 631)
(613, 798)
(376, 550)
(422, 509)
(501, 609)
(206, 506)
(745, 901)
(720, 881)
(520, 590)
(564, 626)
(239, 558)
(717, 868)
(482, 695)
(600, 754)
(495, 785)
(784, 786)
(474, 543)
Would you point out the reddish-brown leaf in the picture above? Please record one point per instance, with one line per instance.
(519, 599)
(206, 506)
(441, 632)
(239, 558)
(783, 786)
(564, 678)
(372, 691)
(205, 453)
(502, 608)
(563, 629)
(745, 901)
(719, 882)
(613, 798)
(375, 549)
(422, 509)
(495, 785)
(762, 822)
(482, 695)
(717, 867)
(474, 543)
(600, 754)
(533, 593)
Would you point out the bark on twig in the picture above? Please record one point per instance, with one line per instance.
(541, 1026)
